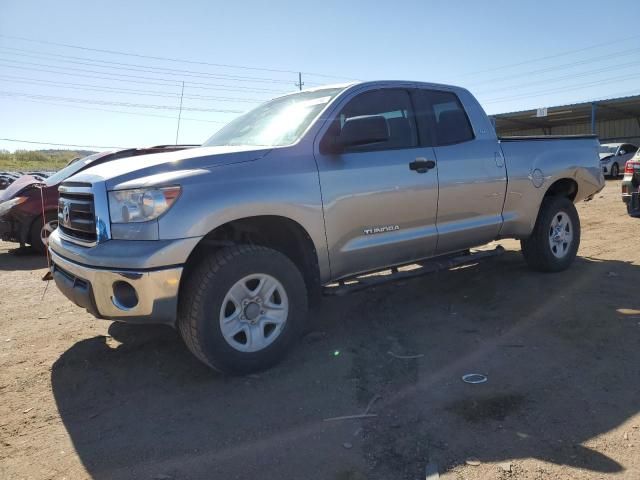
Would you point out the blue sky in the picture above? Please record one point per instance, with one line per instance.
(512, 55)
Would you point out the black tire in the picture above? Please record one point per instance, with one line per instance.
(537, 250)
(615, 170)
(35, 239)
(204, 291)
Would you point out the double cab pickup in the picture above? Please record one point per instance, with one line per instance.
(230, 242)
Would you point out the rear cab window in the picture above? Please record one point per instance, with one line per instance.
(442, 119)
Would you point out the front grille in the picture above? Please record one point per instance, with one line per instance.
(76, 216)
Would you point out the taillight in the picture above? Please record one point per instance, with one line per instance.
(631, 166)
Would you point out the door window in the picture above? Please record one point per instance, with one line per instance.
(628, 148)
(442, 118)
(392, 104)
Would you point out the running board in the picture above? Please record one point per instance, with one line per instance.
(416, 269)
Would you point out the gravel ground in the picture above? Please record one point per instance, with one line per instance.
(81, 398)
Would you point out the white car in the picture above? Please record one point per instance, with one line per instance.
(614, 156)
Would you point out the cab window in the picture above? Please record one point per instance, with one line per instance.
(392, 104)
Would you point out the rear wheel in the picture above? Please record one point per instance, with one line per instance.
(40, 231)
(555, 239)
(242, 308)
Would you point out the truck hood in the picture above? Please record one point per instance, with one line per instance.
(131, 172)
(19, 186)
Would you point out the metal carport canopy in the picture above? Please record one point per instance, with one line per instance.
(577, 113)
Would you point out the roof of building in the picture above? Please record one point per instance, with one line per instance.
(610, 109)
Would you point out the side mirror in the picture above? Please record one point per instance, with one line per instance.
(363, 130)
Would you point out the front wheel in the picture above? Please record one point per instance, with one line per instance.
(555, 239)
(615, 170)
(242, 308)
(40, 231)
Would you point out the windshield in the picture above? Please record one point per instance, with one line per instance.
(72, 168)
(275, 123)
(608, 149)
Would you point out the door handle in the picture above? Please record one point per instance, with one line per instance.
(422, 165)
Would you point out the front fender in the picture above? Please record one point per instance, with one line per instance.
(280, 185)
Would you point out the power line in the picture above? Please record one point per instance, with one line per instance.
(142, 68)
(55, 144)
(116, 104)
(173, 81)
(561, 54)
(101, 88)
(168, 59)
(554, 79)
(20, 99)
(556, 67)
(563, 89)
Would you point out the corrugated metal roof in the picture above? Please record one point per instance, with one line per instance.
(570, 114)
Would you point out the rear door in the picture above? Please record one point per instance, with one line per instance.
(471, 172)
(378, 211)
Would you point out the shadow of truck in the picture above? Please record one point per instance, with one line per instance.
(562, 355)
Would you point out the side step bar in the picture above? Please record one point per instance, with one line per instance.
(416, 269)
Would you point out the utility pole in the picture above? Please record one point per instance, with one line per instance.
(180, 112)
(300, 83)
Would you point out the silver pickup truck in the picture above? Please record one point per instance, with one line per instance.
(231, 241)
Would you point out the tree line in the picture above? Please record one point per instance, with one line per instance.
(48, 160)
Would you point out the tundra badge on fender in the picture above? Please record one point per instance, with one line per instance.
(386, 228)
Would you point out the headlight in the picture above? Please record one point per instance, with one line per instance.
(9, 204)
(140, 204)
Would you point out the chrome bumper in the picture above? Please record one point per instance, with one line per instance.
(155, 299)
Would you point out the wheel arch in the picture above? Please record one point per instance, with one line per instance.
(564, 187)
(273, 231)
(36, 219)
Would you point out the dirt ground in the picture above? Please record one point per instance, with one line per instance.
(82, 398)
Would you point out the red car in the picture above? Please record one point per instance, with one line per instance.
(25, 201)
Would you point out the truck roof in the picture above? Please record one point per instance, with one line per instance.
(380, 83)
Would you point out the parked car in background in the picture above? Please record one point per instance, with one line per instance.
(29, 205)
(631, 185)
(7, 178)
(614, 156)
(231, 241)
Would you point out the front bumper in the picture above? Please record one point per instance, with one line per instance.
(99, 291)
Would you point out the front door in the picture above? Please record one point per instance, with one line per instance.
(378, 211)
